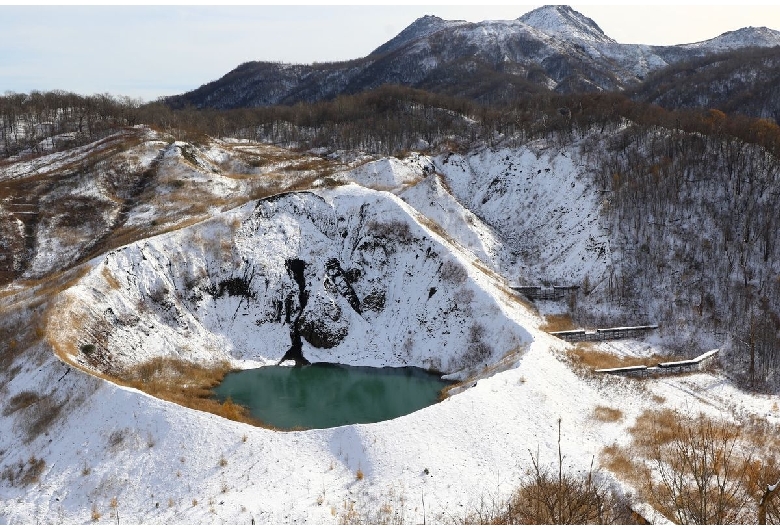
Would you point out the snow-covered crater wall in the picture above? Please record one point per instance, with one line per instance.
(350, 271)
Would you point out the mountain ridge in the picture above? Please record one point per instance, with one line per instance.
(552, 48)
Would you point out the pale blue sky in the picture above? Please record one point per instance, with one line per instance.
(151, 51)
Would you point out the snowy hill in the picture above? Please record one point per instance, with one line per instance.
(234, 252)
(762, 37)
(375, 288)
(422, 27)
(565, 23)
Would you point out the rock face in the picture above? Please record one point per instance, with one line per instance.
(344, 275)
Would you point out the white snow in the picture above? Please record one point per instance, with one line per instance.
(163, 463)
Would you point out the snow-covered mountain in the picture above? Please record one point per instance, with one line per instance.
(550, 48)
(565, 23)
(420, 28)
(761, 37)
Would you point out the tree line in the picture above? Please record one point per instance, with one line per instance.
(388, 120)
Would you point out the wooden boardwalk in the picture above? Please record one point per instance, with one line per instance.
(580, 335)
(661, 368)
(539, 292)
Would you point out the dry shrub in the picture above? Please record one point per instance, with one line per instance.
(453, 272)
(96, 515)
(700, 476)
(24, 473)
(186, 383)
(22, 400)
(760, 433)
(695, 470)
(549, 498)
(393, 230)
(548, 495)
(618, 460)
(38, 417)
(655, 427)
(559, 322)
(117, 438)
(607, 414)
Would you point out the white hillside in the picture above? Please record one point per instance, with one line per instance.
(375, 288)
(360, 276)
(541, 205)
(565, 23)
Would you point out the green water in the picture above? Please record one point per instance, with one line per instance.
(325, 395)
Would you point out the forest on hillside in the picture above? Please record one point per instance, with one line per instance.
(690, 195)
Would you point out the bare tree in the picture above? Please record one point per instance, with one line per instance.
(700, 475)
(550, 496)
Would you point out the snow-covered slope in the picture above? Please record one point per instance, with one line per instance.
(351, 270)
(531, 213)
(565, 23)
(552, 235)
(762, 37)
(365, 277)
(422, 27)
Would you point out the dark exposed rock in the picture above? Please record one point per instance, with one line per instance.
(374, 301)
(322, 334)
(342, 285)
(296, 268)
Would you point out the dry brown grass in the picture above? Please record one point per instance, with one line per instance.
(23, 474)
(185, 383)
(656, 427)
(558, 322)
(110, 280)
(182, 382)
(591, 356)
(607, 414)
(618, 460)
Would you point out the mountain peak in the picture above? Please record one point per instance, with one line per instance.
(564, 22)
(422, 27)
(750, 36)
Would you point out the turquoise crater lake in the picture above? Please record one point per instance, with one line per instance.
(325, 395)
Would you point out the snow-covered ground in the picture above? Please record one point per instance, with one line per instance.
(163, 463)
(406, 276)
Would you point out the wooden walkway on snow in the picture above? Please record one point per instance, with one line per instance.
(661, 368)
(580, 335)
